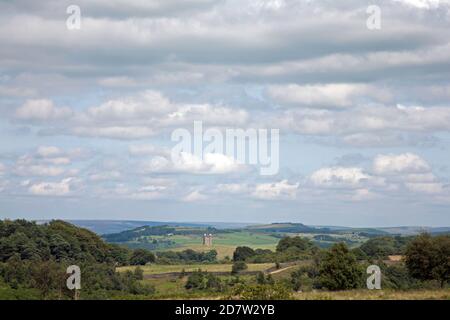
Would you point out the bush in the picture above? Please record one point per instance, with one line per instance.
(397, 277)
(298, 243)
(238, 266)
(381, 247)
(196, 280)
(186, 256)
(264, 292)
(213, 283)
(261, 278)
(428, 258)
(305, 278)
(242, 253)
(339, 269)
(141, 257)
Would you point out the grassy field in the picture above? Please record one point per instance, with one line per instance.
(226, 242)
(223, 243)
(161, 269)
(173, 288)
(443, 294)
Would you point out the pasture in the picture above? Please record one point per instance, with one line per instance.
(153, 269)
(223, 243)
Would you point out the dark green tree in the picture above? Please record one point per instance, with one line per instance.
(141, 257)
(196, 280)
(242, 253)
(238, 266)
(428, 258)
(339, 269)
(301, 244)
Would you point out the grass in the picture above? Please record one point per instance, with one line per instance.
(437, 294)
(173, 288)
(222, 250)
(161, 269)
(223, 243)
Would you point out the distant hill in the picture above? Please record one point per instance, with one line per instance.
(415, 230)
(286, 227)
(146, 231)
(115, 226)
(102, 227)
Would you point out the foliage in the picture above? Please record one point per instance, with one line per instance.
(298, 243)
(238, 266)
(187, 256)
(148, 231)
(242, 253)
(359, 254)
(339, 269)
(288, 249)
(381, 247)
(141, 257)
(305, 278)
(397, 277)
(199, 280)
(261, 278)
(428, 258)
(276, 291)
(34, 258)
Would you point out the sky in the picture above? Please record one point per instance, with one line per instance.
(363, 112)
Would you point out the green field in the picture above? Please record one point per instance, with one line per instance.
(178, 238)
(173, 288)
(223, 243)
(161, 269)
(226, 242)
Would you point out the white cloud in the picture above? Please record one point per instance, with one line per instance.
(48, 151)
(148, 150)
(48, 161)
(39, 170)
(114, 132)
(143, 114)
(364, 125)
(402, 163)
(420, 177)
(423, 4)
(42, 110)
(146, 104)
(59, 161)
(212, 163)
(327, 95)
(61, 188)
(276, 191)
(195, 196)
(150, 192)
(105, 176)
(233, 188)
(339, 176)
(425, 187)
(363, 195)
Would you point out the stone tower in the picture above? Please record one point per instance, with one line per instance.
(207, 240)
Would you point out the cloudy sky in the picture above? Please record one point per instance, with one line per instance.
(364, 115)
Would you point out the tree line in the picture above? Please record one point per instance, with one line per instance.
(34, 258)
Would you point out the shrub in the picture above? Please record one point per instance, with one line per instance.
(264, 292)
(242, 253)
(339, 269)
(238, 266)
(141, 257)
(428, 258)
